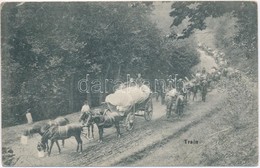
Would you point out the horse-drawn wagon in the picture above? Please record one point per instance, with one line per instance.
(141, 107)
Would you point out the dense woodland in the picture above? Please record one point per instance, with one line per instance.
(48, 47)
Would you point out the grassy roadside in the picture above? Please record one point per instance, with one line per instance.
(235, 142)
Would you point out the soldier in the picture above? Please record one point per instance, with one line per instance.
(85, 108)
(139, 80)
(171, 81)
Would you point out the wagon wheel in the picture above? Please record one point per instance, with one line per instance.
(148, 113)
(129, 121)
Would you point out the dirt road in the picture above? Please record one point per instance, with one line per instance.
(132, 146)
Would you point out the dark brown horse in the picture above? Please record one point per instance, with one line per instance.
(106, 120)
(55, 133)
(42, 127)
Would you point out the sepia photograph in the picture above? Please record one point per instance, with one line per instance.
(129, 84)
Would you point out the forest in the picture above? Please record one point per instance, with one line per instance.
(47, 48)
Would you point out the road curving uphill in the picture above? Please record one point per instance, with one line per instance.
(132, 146)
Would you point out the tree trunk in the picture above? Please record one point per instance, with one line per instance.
(71, 94)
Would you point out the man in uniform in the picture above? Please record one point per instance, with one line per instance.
(85, 108)
(139, 80)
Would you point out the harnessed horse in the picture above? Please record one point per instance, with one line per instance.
(41, 128)
(55, 133)
(105, 120)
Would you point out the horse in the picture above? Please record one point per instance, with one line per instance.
(169, 100)
(42, 127)
(193, 88)
(179, 104)
(174, 103)
(105, 120)
(55, 133)
(203, 88)
(160, 92)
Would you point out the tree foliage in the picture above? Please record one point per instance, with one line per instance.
(48, 47)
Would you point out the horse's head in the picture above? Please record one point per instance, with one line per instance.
(26, 133)
(41, 146)
(97, 119)
(83, 116)
(29, 132)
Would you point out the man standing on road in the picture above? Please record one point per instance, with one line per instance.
(85, 108)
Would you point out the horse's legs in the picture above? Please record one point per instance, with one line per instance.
(89, 131)
(204, 95)
(57, 143)
(49, 152)
(79, 141)
(47, 146)
(63, 142)
(194, 95)
(162, 98)
(157, 96)
(100, 131)
(118, 130)
(168, 108)
(92, 131)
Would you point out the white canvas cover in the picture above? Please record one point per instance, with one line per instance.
(124, 98)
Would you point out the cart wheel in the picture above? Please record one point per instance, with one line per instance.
(129, 122)
(148, 113)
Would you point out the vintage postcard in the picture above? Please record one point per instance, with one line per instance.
(129, 83)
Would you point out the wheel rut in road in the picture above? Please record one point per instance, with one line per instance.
(146, 151)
